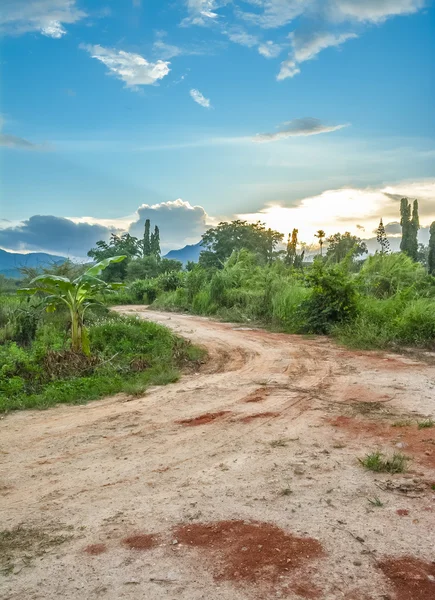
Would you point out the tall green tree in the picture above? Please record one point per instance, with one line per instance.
(320, 235)
(125, 245)
(147, 239)
(431, 258)
(381, 236)
(292, 243)
(155, 242)
(220, 242)
(410, 223)
(340, 245)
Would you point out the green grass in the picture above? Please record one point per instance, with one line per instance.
(376, 501)
(127, 356)
(426, 424)
(379, 463)
(402, 423)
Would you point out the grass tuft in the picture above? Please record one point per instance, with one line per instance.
(379, 463)
(426, 424)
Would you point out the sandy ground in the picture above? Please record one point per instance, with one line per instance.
(298, 413)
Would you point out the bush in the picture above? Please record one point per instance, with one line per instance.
(383, 276)
(333, 298)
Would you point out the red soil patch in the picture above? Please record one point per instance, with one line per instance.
(257, 396)
(203, 419)
(263, 415)
(254, 552)
(95, 549)
(411, 578)
(402, 512)
(418, 443)
(140, 541)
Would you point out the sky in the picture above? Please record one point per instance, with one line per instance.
(298, 113)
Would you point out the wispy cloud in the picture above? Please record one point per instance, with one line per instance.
(242, 37)
(202, 11)
(307, 47)
(12, 141)
(46, 16)
(373, 11)
(200, 98)
(131, 68)
(269, 49)
(298, 127)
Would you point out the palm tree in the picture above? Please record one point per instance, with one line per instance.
(320, 235)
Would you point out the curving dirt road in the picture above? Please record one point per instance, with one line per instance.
(269, 431)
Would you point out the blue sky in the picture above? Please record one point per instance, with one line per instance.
(295, 112)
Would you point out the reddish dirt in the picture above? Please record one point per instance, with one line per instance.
(95, 549)
(418, 443)
(257, 396)
(254, 552)
(402, 512)
(203, 419)
(263, 415)
(140, 541)
(412, 579)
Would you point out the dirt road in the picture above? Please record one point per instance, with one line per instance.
(241, 481)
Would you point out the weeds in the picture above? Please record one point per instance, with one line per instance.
(379, 463)
(426, 424)
(402, 423)
(376, 502)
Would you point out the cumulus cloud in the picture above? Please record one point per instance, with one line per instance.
(179, 222)
(298, 127)
(57, 235)
(200, 99)
(269, 49)
(306, 47)
(131, 68)
(46, 16)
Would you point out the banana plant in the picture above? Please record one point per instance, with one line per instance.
(77, 294)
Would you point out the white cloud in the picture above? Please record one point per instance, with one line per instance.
(200, 99)
(347, 209)
(202, 11)
(374, 11)
(47, 16)
(307, 47)
(166, 50)
(131, 68)
(298, 127)
(276, 13)
(269, 49)
(53, 29)
(239, 36)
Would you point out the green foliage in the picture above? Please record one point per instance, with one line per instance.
(382, 240)
(379, 463)
(77, 295)
(333, 298)
(431, 256)
(126, 353)
(383, 276)
(410, 225)
(220, 242)
(119, 245)
(342, 245)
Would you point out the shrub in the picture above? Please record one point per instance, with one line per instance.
(333, 298)
(383, 276)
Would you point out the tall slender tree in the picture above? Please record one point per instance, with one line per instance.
(405, 222)
(381, 236)
(410, 225)
(320, 235)
(155, 242)
(431, 258)
(147, 239)
(292, 243)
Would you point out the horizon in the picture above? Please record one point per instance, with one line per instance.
(313, 116)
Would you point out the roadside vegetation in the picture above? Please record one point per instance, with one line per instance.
(59, 342)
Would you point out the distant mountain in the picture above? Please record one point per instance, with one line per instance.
(10, 262)
(185, 254)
